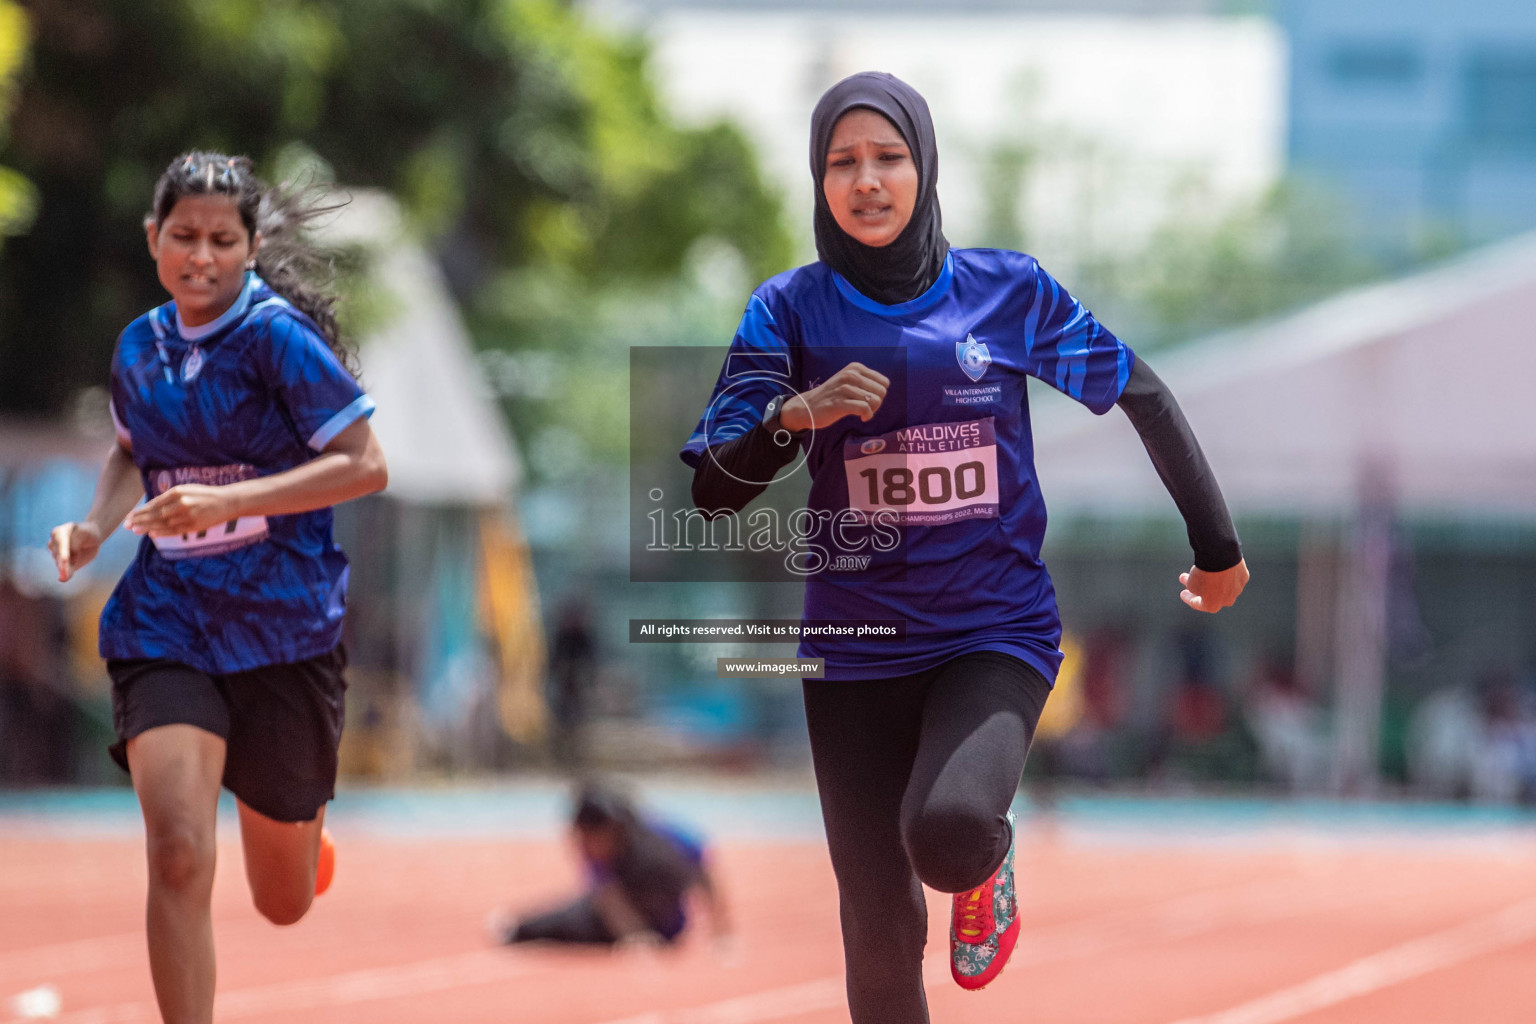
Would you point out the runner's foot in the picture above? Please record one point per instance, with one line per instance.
(984, 925)
(325, 867)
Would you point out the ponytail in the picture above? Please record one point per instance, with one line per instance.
(287, 261)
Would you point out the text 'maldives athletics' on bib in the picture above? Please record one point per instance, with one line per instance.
(931, 474)
(255, 392)
(215, 540)
(948, 458)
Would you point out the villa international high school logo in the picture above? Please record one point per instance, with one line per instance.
(973, 357)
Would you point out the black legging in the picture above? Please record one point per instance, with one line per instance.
(916, 774)
(577, 921)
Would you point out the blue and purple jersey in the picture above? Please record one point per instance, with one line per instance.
(255, 392)
(945, 468)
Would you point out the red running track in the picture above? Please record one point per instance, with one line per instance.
(1293, 928)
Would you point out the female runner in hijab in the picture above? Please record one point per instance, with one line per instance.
(903, 378)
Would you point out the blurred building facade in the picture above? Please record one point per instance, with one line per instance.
(1422, 112)
(1072, 123)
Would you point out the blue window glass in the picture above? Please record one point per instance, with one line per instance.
(1375, 64)
(1501, 98)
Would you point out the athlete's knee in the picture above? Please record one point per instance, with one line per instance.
(282, 906)
(180, 856)
(954, 847)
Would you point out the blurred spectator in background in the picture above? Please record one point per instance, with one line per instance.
(1443, 734)
(1198, 712)
(1502, 768)
(1205, 741)
(37, 719)
(1076, 734)
(1090, 751)
(1061, 717)
(1475, 742)
(640, 876)
(1288, 726)
(572, 665)
(1104, 670)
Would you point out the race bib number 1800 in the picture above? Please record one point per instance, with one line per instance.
(216, 540)
(927, 475)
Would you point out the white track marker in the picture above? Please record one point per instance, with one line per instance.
(41, 1003)
(1508, 927)
(480, 967)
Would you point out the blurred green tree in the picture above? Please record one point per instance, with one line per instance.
(1196, 274)
(17, 201)
(525, 146)
(1204, 267)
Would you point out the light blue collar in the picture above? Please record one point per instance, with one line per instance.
(236, 310)
(921, 304)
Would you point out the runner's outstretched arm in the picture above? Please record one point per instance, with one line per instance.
(1219, 573)
(351, 466)
(118, 489)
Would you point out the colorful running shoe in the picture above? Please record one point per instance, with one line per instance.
(984, 925)
(325, 866)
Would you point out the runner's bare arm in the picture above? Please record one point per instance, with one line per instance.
(351, 466)
(118, 489)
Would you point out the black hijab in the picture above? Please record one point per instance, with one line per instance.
(906, 268)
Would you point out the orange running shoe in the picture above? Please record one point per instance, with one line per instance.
(325, 866)
(984, 925)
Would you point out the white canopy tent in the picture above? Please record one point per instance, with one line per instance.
(457, 557)
(1410, 398)
(437, 420)
(1416, 392)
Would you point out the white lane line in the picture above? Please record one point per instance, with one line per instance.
(451, 972)
(774, 1004)
(63, 960)
(1182, 917)
(480, 967)
(1508, 927)
(66, 958)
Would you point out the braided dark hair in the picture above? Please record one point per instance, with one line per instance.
(287, 261)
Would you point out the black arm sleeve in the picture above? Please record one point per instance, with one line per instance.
(719, 482)
(1181, 464)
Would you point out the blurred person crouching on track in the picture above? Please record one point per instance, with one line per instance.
(640, 872)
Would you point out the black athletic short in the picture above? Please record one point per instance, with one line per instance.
(281, 723)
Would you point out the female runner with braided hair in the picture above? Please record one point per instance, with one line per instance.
(899, 364)
(238, 418)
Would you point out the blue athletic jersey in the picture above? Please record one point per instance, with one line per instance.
(944, 470)
(657, 880)
(255, 392)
